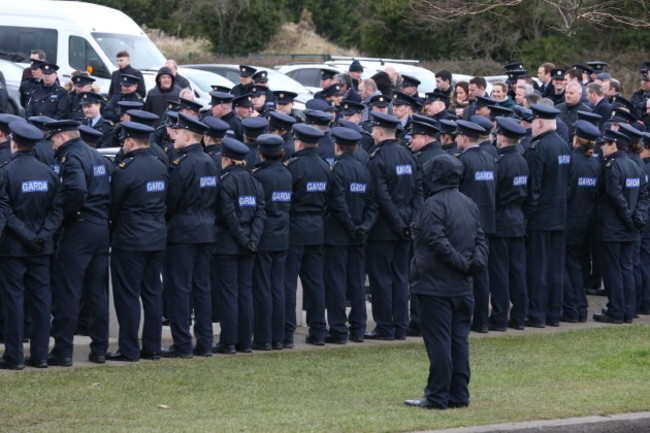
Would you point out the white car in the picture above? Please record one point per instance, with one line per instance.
(202, 82)
(13, 73)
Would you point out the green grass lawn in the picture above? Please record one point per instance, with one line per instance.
(355, 388)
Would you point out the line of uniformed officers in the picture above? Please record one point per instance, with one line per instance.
(232, 224)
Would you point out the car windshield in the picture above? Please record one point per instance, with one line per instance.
(143, 53)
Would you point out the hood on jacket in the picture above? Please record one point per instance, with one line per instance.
(165, 71)
(442, 172)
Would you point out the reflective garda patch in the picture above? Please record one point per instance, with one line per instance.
(156, 186)
(484, 176)
(99, 170)
(246, 200)
(330, 161)
(563, 159)
(316, 186)
(358, 187)
(520, 181)
(587, 181)
(208, 182)
(281, 196)
(55, 167)
(632, 182)
(34, 186)
(401, 170)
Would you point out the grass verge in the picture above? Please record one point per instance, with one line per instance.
(351, 389)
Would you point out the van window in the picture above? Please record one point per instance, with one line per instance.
(16, 43)
(143, 53)
(81, 55)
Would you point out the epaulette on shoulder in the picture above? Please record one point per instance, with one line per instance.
(224, 175)
(255, 169)
(458, 154)
(290, 161)
(609, 163)
(533, 146)
(179, 159)
(4, 163)
(125, 162)
(64, 158)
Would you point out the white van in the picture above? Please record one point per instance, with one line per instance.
(76, 36)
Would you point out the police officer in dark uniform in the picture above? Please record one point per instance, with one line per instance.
(409, 86)
(80, 82)
(261, 79)
(284, 103)
(644, 256)
(448, 130)
(43, 148)
(89, 135)
(270, 261)
(478, 183)
(619, 221)
(138, 238)
(584, 175)
(310, 191)
(424, 145)
(557, 80)
(525, 116)
(30, 84)
(260, 102)
(326, 79)
(403, 108)
(545, 210)
(81, 262)
(351, 213)
(30, 188)
(450, 247)
(240, 221)
(321, 120)
(221, 108)
(5, 141)
(90, 103)
(191, 212)
(253, 128)
(486, 143)
(507, 261)
(399, 196)
(129, 85)
(49, 98)
(245, 81)
(281, 124)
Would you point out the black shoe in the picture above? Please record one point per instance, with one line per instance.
(330, 339)
(604, 318)
(497, 328)
(400, 337)
(118, 356)
(453, 405)
(29, 361)
(314, 341)
(374, 335)
(553, 323)
(568, 319)
(479, 329)
(203, 353)
(6, 365)
(97, 359)
(226, 349)
(532, 324)
(243, 349)
(59, 362)
(277, 345)
(263, 346)
(172, 353)
(287, 345)
(151, 356)
(356, 338)
(514, 325)
(423, 403)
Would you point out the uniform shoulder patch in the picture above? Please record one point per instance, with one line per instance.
(125, 162)
(64, 158)
(533, 146)
(290, 161)
(4, 163)
(224, 175)
(178, 159)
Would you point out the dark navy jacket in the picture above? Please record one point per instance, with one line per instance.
(646, 230)
(85, 182)
(448, 238)
(5, 151)
(584, 178)
(240, 215)
(352, 201)
(276, 182)
(214, 152)
(479, 184)
(311, 185)
(398, 189)
(51, 101)
(139, 192)
(191, 197)
(44, 153)
(428, 151)
(549, 159)
(236, 129)
(326, 148)
(31, 189)
(511, 191)
(111, 110)
(618, 199)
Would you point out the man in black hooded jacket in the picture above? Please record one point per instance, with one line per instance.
(166, 89)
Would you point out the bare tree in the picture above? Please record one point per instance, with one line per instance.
(567, 13)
